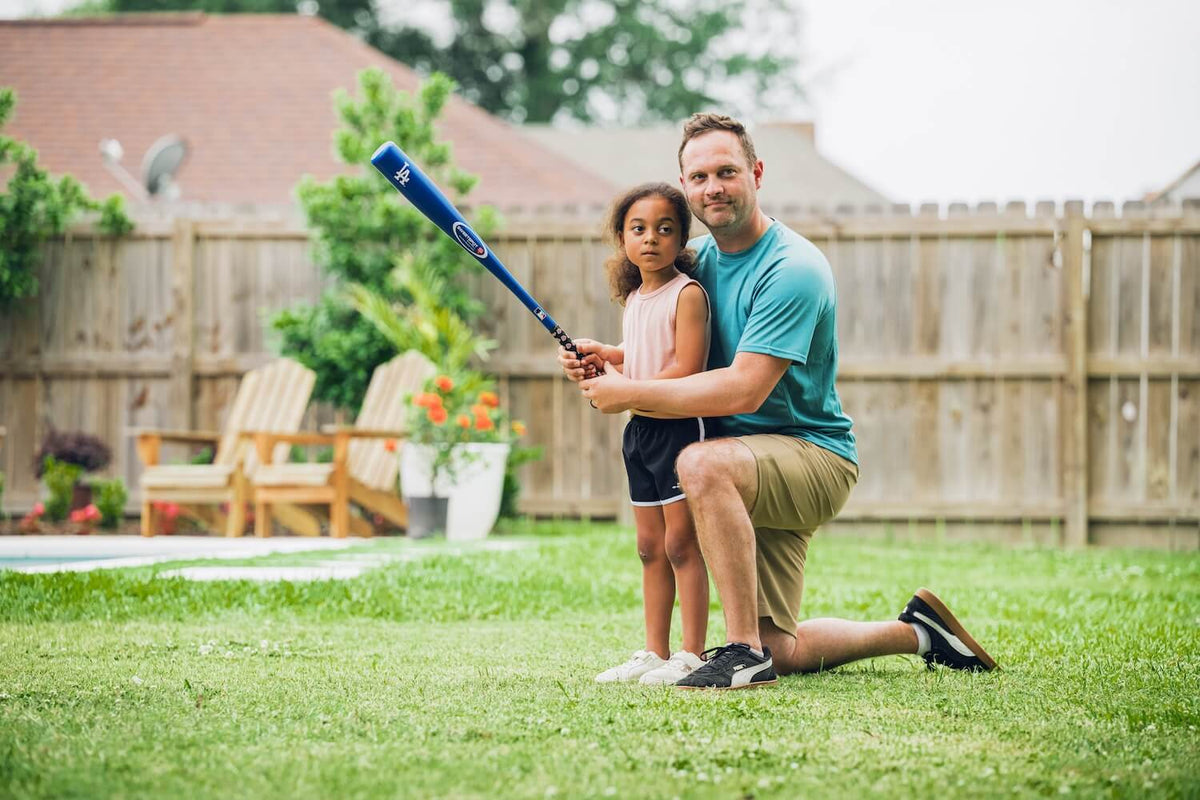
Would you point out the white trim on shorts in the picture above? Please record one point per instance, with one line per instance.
(667, 502)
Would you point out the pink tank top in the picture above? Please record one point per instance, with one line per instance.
(649, 329)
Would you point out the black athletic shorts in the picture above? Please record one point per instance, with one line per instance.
(650, 447)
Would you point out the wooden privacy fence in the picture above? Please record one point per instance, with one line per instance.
(1012, 375)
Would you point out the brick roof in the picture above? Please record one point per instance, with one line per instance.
(251, 94)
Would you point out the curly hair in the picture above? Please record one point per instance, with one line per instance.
(623, 274)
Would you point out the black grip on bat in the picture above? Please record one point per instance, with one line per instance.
(564, 340)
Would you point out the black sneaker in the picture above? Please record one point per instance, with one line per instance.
(949, 642)
(731, 666)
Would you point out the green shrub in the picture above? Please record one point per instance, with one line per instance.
(110, 499)
(60, 479)
(34, 207)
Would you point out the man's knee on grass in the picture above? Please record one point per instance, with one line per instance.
(783, 646)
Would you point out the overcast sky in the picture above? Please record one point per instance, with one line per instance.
(1027, 99)
(953, 100)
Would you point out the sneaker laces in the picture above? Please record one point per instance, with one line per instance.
(717, 657)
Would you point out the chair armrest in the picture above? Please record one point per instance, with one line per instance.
(195, 437)
(149, 441)
(265, 441)
(287, 438)
(365, 433)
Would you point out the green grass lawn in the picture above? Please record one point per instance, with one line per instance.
(471, 675)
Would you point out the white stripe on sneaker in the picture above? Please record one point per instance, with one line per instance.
(954, 641)
(742, 677)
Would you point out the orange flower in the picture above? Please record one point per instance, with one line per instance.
(479, 410)
(423, 400)
(389, 445)
(463, 421)
(437, 415)
(518, 427)
(444, 383)
(484, 423)
(489, 399)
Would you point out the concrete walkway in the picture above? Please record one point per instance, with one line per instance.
(82, 553)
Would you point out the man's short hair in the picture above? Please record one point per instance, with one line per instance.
(700, 124)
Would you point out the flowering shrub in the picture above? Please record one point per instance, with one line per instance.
(85, 518)
(31, 522)
(167, 513)
(454, 410)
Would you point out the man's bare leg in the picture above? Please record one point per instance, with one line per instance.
(720, 478)
(826, 643)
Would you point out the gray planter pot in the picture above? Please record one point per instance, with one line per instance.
(427, 516)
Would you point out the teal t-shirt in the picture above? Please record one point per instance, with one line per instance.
(778, 298)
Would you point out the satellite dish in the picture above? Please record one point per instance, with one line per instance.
(162, 161)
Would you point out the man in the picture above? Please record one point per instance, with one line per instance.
(787, 461)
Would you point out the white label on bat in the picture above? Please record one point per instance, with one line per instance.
(402, 175)
(470, 242)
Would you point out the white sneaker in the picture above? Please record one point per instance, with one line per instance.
(638, 665)
(674, 669)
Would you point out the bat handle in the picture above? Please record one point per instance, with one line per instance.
(564, 340)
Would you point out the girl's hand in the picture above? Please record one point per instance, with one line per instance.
(593, 355)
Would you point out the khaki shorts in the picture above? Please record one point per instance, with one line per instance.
(800, 487)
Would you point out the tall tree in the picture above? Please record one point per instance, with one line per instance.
(604, 61)
(618, 61)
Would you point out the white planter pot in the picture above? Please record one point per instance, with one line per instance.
(475, 493)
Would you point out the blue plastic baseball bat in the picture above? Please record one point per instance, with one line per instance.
(415, 185)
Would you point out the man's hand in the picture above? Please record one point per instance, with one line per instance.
(609, 391)
(593, 353)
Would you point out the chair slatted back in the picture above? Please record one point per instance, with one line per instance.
(243, 402)
(384, 408)
(275, 401)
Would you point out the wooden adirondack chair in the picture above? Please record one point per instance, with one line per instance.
(270, 398)
(363, 470)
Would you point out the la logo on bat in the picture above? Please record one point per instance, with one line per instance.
(403, 174)
(470, 242)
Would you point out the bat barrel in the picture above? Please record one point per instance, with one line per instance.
(408, 179)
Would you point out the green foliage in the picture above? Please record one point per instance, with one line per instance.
(361, 226)
(110, 499)
(610, 60)
(60, 479)
(204, 456)
(517, 457)
(34, 207)
(423, 323)
(606, 61)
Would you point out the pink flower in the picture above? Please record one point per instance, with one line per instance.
(38, 509)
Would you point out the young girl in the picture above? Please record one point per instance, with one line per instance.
(665, 329)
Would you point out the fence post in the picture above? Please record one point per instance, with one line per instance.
(183, 284)
(1075, 385)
